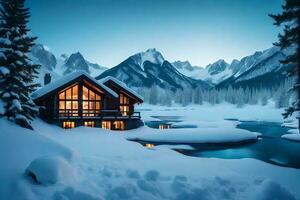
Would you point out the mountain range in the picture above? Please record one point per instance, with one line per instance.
(150, 68)
(62, 65)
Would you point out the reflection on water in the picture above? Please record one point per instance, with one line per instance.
(167, 122)
(148, 145)
(164, 126)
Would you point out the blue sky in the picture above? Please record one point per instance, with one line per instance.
(201, 31)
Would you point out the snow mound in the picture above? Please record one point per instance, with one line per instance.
(50, 170)
(18, 148)
(196, 135)
(292, 136)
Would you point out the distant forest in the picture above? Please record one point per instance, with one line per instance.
(239, 96)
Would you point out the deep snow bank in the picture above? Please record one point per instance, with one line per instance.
(50, 170)
(18, 148)
(111, 167)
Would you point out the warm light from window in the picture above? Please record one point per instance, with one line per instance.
(68, 102)
(124, 99)
(124, 110)
(89, 124)
(106, 124)
(119, 125)
(68, 125)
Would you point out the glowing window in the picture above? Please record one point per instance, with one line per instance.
(85, 93)
(75, 92)
(68, 125)
(62, 95)
(89, 123)
(106, 124)
(69, 93)
(98, 97)
(91, 103)
(124, 99)
(62, 105)
(91, 95)
(119, 125)
(124, 110)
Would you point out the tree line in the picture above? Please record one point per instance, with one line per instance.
(239, 96)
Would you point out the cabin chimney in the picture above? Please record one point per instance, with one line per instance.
(47, 78)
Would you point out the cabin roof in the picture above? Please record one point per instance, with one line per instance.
(121, 84)
(67, 79)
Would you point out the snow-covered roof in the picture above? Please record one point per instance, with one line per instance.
(66, 79)
(122, 84)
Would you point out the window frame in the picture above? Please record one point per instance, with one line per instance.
(91, 112)
(70, 107)
(124, 103)
(68, 112)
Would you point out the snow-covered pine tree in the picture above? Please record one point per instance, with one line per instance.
(290, 18)
(16, 69)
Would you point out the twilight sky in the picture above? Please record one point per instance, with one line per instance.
(201, 31)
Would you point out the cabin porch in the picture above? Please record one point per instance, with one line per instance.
(108, 119)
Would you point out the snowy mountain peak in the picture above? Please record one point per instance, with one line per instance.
(217, 67)
(43, 57)
(151, 55)
(183, 65)
(76, 62)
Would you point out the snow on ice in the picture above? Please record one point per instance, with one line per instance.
(193, 135)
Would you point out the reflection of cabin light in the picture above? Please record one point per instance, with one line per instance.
(149, 145)
(164, 126)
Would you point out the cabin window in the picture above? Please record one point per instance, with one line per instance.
(124, 99)
(124, 110)
(106, 124)
(89, 123)
(91, 102)
(124, 105)
(119, 125)
(68, 125)
(68, 102)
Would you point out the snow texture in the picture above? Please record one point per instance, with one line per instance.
(110, 167)
(55, 84)
(50, 170)
(194, 135)
(150, 55)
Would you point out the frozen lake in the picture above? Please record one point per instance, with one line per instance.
(270, 147)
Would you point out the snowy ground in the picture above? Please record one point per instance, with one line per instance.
(104, 165)
(294, 132)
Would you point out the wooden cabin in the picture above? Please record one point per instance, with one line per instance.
(80, 100)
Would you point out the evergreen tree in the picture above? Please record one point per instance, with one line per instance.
(290, 18)
(16, 69)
